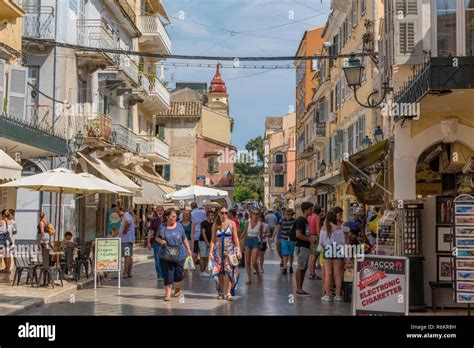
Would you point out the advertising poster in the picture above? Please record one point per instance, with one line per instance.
(381, 286)
(107, 254)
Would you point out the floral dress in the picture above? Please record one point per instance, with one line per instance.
(220, 262)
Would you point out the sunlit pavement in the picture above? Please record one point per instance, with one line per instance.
(143, 295)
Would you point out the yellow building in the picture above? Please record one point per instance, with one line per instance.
(348, 124)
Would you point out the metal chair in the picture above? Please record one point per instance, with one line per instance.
(22, 263)
(68, 262)
(83, 260)
(47, 271)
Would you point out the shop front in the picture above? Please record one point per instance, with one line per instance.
(432, 167)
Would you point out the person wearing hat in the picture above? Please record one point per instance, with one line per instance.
(287, 245)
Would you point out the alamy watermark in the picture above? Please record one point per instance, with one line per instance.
(346, 251)
(240, 156)
(392, 109)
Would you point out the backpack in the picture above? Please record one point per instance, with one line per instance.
(292, 233)
(50, 229)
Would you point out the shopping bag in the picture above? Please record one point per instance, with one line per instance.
(189, 264)
(210, 265)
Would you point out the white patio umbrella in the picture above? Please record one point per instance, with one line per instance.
(197, 193)
(63, 180)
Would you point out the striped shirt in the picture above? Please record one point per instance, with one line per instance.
(285, 228)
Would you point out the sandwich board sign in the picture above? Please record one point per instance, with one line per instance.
(380, 285)
(108, 257)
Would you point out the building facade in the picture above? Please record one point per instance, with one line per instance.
(198, 129)
(95, 107)
(280, 160)
(307, 72)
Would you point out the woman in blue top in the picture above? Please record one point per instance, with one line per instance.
(172, 233)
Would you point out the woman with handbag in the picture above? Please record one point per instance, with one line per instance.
(253, 234)
(225, 255)
(173, 251)
(263, 246)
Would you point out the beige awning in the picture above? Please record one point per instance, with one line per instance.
(114, 175)
(9, 169)
(334, 178)
(152, 194)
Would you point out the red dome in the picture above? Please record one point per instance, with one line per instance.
(217, 83)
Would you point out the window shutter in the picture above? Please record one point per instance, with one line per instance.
(2, 85)
(323, 112)
(167, 172)
(17, 91)
(407, 32)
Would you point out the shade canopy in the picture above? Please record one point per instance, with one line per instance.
(64, 181)
(194, 192)
(9, 169)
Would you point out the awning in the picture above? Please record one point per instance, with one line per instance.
(334, 178)
(9, 168)
(312, 199)
(298, 201)
(114, 175)
(322, 189)
(364, 174)
(152, 194)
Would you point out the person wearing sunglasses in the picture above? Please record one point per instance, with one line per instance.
(253, 234)
(225, 255)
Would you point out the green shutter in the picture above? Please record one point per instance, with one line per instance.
(167, 175)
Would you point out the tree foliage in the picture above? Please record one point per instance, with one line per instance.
(251, 173)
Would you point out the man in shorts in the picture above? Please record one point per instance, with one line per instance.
(287, 245)
(303, 244)
(127, 235)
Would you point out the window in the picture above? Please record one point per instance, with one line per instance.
(163, 171)
(360, 131)
(213, 164)
(446, 27)
(350, 139)
(336, 43)
(338, 94)
(160, 131)
(279, 158)
(279, 180)
(362, 7)
(354, 13)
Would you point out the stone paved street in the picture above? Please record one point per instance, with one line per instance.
(142, 295)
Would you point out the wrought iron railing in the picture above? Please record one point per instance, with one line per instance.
(27, 133)
(158, 147)
(99, 126)
(38, 22)
(126, 138)
(97, 33)
(321, 130)
(129, 67)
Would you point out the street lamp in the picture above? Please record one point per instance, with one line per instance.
(378, 134)
(353, 70)
(366, 143)
(322, 166)
(79, 139)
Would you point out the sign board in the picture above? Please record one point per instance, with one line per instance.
(108, 256)
(380, 285)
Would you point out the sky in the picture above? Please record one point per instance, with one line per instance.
(201, 27)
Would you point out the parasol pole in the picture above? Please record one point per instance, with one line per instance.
(59, 224)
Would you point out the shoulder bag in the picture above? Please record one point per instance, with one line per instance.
(170, 253)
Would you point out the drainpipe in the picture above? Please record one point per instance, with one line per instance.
(54, 64)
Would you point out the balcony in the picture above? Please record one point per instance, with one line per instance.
(158, 150)
(130, 68)
(38, 22)
(307, 152)
(38, 141)
(125, 13)
(438, 77)
(128, 140)
(157, 97)
(155, 38)
(320, 130)
(98, 34)
(11, 9)
(99, 127)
